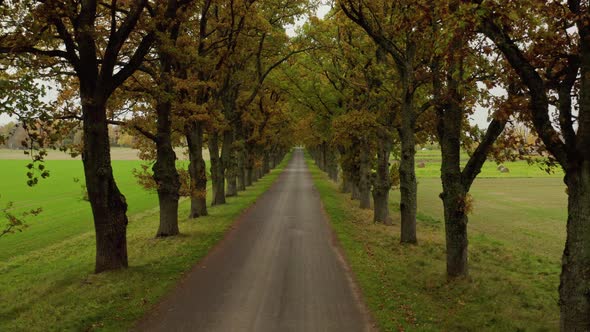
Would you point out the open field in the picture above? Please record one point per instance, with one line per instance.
(518, 169)
(516, 233)
(53, 289)
(65, 213)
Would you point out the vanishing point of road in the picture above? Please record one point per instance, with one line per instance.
(277, 270)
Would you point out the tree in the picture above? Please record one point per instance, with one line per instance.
(399, 29)
(101, 44)
(547, 45)
(456, 69)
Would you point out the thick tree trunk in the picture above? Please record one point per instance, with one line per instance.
(228, 169)
(249, 176)
(217, 171)
(365, 181)
(382, 184)
(574, 289)
(108, 205)
(346, 187)
(165, 173)
(355, 193)
(456, 232)
(242, 170)
(266, 163)
(408, 185)
(232, 177)
(332, 165)
(197, 171)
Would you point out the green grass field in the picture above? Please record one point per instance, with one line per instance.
(516, 233)
(518, 169)
(46, 279)
(65, 213)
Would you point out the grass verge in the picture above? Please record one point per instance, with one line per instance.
(54, 290)
(405, 286)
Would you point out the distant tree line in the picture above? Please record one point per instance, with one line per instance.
(14, 135)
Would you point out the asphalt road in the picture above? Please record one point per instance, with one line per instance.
(277, 270)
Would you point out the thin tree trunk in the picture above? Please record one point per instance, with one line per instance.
(197, 171)
(108, 205)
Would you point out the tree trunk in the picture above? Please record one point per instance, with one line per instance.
(346, 185)
(232, 177)
(266, 163)
(332, 165)
(217, 171)
(197, 171)
(228, 162)
(108, 205)
(408, 185)
(354, 193)
(365, 181)
(165, 173)
(249, 175)
(242, 170)
(574, 289)
(382, 184)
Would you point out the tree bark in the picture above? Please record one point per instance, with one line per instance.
(242, 170)
(574, 288)
(382, 184)
(217, 171)
(408, 185)
(355, 193)
(108, 205)
(232, 177)
(365, 181)
(346, 187)
(165, 173)
(227, 170)
(197, 171)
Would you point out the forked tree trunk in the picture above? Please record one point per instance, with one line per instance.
(165, 174)
(197, 171)
(108, 205)
(574, 288)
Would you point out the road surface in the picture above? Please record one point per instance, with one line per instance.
(277, 270)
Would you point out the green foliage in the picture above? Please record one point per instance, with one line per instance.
(15, 222)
